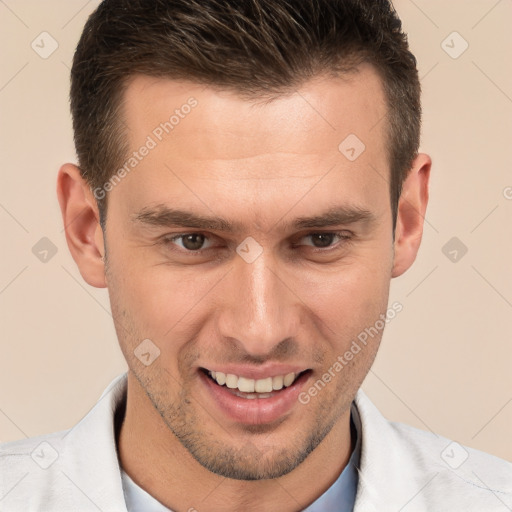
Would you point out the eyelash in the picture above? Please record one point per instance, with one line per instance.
(345, 236)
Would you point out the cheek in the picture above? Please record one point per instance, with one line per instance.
(147, 306)
(164, 304)
(346, 302)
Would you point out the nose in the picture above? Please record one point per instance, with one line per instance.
(258, 310)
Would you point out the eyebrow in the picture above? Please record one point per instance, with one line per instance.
(164, 216)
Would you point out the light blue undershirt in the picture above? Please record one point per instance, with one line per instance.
(340, 497)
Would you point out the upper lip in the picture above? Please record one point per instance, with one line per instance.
(257, 372)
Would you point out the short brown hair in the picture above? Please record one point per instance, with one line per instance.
(257, 48)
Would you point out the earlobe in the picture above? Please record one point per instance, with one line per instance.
(81, 223)
(411, 214)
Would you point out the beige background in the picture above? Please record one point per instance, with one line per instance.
(445, 360)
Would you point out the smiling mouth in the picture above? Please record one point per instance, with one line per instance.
(253, 388)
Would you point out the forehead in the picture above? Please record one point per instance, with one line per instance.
(321, 112)
(217, 150)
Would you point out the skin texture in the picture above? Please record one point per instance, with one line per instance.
(261, 165)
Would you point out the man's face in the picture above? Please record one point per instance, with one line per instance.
(289, 299)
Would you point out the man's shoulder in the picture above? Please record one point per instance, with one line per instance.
(457, 473)
(431, 450)
(25, 465)
(33, 450)
(433, 471)
(75, 469)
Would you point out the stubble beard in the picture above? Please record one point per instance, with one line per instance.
(245, 462)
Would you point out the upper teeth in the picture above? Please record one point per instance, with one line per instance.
(251, 385)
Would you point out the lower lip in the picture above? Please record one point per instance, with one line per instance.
(255, 411)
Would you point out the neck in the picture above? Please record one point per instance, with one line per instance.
(156, 461)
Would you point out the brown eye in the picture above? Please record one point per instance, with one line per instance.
(322, 239)
(193, 241)
(325, 240)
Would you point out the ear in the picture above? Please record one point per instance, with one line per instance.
(81, 223)
(411, 214)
